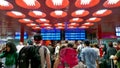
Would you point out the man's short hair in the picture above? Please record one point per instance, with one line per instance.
(30, 42)
(87, 42)
(37, 37)
(118, 42)
(70, 45)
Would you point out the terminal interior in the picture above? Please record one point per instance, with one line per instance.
(60, 19)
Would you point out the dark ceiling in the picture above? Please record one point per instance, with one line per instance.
(9, 25)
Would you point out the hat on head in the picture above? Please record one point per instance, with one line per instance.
(37, 37)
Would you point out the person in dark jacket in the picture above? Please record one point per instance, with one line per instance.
(110, 51)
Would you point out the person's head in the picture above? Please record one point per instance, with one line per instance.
(77, 42)
(37, 38)
(29, 42)
(118, 42)
(87, 43)
(11, 47)
(70, 45)
(62, 47)
(95, 45)
(21, 43)
(110, 44)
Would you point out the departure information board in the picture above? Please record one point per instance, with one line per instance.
(51, 34)
(75, 34)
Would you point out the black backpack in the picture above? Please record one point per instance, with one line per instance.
(29, 55)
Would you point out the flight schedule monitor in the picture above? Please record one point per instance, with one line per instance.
(18, 35)
(75, 34)
(117, 31)
(51, 34)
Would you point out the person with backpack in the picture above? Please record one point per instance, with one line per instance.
(34, 56)
(10, 54)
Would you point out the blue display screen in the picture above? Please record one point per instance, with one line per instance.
(75, 34)
(117, 31)
(51, 34)
(17, 35)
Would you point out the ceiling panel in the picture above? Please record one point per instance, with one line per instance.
(10, 24)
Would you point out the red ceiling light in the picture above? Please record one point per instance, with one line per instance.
(93, 19)
(5, 5)
(59, 24)
(45, 25)
(86, 3)
(60, 27)
(36, 28)
(36, 14)
(28, 4)
(111, 3)
(73, 24)
(76, 20)
(83, 27)
(101, 13)
(58, 14)
(42, 20)
(87, 24)
(71, 27)
(15, 14)
(48, 27)
(25, 21)
(57, 4)
(80, 13)
(31, 25)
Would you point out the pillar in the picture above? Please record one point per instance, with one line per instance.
(22, 33)
(99, 33)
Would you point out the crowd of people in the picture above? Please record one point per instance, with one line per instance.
(61, 54)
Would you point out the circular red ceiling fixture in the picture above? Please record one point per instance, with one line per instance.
(45, 25)
(71, 27)
(73, 24)
(5, 5)
(42, 20)
(15, 14)
(86, 3)
(58, 14)
(48, 27)
(28, 4)
(25, 21)
(36, 14)
(88, 24)
(59, 25)
(57, 4)
(36, 28)
(76, 20)
(83, 27)
(31, 25)
(101, 13)
(93, 19)
(111, 3)
(80, 13)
